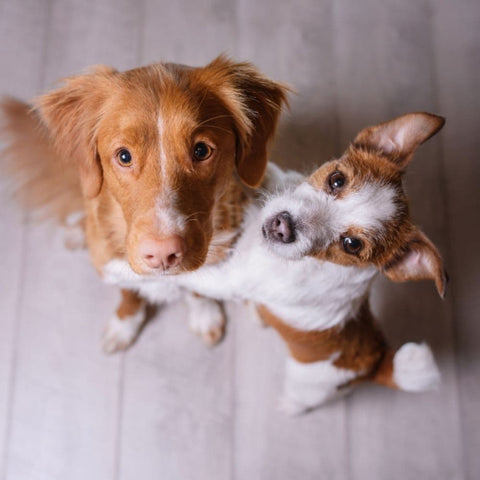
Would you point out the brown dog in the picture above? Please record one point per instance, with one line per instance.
(157, 157)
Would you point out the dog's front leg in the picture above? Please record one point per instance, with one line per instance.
(206, 318)
(125, 325)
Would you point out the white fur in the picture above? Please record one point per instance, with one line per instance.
(170, 221)
(74, 218)
(309, 385)
(322, 218)
(74, 233)
(121, 332)
(414, 368)
(74, 237)
(163, 157)
(304, 292)
(206, 318)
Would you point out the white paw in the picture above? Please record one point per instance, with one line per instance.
(74, 238)
(74, 234)
(119, 334)
(414, 368)
(206, 319)
(290, 406)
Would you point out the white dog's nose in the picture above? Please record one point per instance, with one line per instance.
(280, 228)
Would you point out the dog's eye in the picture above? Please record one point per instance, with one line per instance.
(352, 245)
(336, 181)
(202, 151)
(124, 157)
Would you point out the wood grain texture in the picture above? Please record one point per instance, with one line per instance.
(184, 392)
(397, 76)
(294, 45)
(66, 398)
(21, 58)
(457, 43)
(170, 408)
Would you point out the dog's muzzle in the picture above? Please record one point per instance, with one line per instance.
(280, 228)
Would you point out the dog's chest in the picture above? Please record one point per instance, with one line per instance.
(306, 293)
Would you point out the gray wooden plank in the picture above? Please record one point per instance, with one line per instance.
(292, 43)
(192, 413)
(177, 419)
(11, 243)
(385, 52)
(455, 33)
(20, 57)
(64, 417)
(89, 33)
(182, 390)
(66, 398)
(269, 444)
(188, 31)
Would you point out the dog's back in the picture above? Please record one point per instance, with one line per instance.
(41, 180)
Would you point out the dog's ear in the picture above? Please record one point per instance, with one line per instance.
(255, 103)
(71, 114)
(399, 138)
(419, 260)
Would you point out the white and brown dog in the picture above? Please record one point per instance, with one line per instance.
(308, 257)
(352, 216)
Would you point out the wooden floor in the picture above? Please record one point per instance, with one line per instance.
(170, 408)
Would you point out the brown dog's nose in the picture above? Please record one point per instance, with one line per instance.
(280, 228)
(162, 253)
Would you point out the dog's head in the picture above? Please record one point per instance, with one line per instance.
(162, 144)
(354, 210)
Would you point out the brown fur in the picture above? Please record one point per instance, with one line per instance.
(359, 343)
(65, 155)
(364, 162)
(378, 155)
(227, 105)
(130, 304)
(43, 181)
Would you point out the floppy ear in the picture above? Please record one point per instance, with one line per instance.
(419, 260)
(255, 103)
(399, 138)
(71, 114)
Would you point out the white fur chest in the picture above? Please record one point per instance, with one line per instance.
(307, 293)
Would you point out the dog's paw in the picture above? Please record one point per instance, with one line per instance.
(207, 320)
(74, 238)
(290, 406)
(74, 233)
(119, 334)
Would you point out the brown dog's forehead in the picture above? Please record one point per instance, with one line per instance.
(162, 100)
